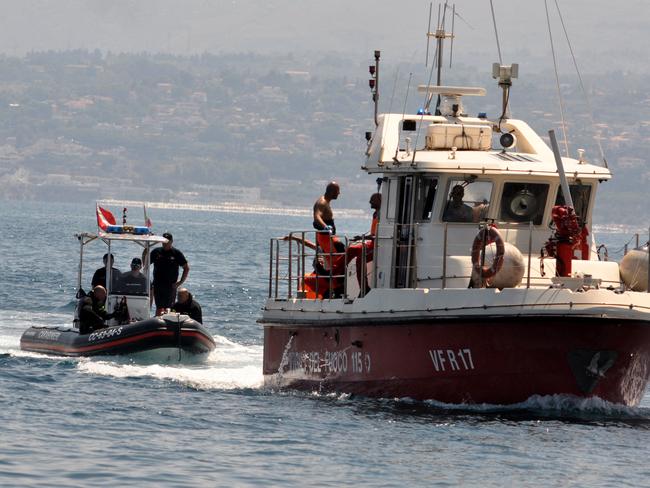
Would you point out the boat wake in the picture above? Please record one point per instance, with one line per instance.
(548, 407)
(567, 408)
(230, 366)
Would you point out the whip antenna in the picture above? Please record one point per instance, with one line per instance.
(496, 33)
(426, 59)
(582, 86)
(557, 80)
(453, 22)
(408, 88)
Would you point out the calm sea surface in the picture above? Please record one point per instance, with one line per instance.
(112, 422)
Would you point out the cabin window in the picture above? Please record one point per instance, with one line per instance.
(580, 194)
(468, 200)
(523, 202)
(425, 195)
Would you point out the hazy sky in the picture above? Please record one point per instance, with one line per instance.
(603, 31)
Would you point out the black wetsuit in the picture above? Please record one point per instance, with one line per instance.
(92, 314)
(165, 274)
(191, 308)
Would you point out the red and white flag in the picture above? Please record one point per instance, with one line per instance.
(147, 220)
(104, 218)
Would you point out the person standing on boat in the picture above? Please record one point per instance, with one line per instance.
(99, 278)
(356, 249)
(186, 305)
(166, 261)
(331, 248)
(92, 312)
(323, 215)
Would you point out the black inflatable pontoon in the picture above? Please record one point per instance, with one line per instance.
(165, 332)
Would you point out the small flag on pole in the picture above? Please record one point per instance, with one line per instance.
(104, 218)
(147, 220)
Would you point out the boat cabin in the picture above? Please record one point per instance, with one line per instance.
(129, 285)
(443, 178)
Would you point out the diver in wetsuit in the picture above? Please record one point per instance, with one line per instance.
(92, 311)
(186, 305)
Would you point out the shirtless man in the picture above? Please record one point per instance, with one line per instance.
(323, 216)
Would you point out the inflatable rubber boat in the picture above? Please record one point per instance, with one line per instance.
(131, 329)
(170, 332)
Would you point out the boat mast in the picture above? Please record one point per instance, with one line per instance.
(373, 82)
(439, 35)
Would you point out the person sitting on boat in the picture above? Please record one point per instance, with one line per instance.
(186, 305)
(99, 278)
(133, 282)
(356, 249)
(456, 210)
(92, 312)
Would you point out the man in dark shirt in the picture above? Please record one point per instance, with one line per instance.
(133, 282)
(166, 260)
(186, 305)
(99, 278)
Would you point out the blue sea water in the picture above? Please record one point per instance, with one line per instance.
(113, 422)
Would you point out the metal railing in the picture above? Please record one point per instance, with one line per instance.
(290, 257)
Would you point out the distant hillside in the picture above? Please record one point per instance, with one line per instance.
(87, 125)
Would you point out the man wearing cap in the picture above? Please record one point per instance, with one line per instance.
(99, 278)
(166, 260)
(133, 282)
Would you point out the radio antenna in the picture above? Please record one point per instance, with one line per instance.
(408, 88)
(496, 33)
(453, 22)
(426, 59)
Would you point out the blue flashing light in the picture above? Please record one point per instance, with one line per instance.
(128, 229)
(421, 111)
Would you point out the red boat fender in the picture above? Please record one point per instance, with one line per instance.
(486, 236)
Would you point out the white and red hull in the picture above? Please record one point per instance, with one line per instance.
(464, 358)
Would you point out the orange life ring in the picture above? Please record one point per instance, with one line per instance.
(486, 236)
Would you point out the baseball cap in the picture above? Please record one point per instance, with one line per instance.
(168, 236)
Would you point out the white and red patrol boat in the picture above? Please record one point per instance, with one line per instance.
(132, 330)
(462, 305)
